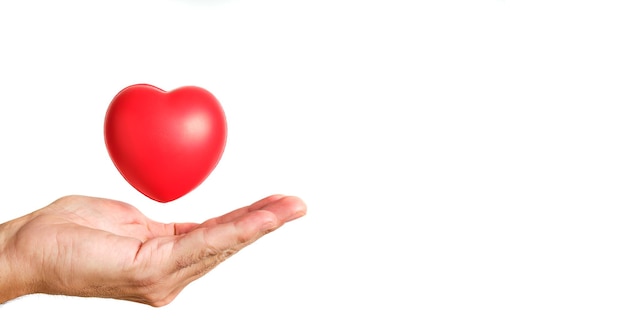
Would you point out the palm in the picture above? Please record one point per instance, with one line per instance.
(100, 247)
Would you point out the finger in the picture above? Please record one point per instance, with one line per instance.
(286, 208)
(183, 228)
(234, 215)
(199, 251)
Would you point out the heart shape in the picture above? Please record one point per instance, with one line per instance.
(165, 144)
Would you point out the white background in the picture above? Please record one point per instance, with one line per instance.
(463, 161)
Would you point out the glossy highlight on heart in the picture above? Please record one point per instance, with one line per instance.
(165, 144)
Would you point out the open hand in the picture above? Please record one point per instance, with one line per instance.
(95, 247)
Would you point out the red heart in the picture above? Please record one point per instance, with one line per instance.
(165, 144)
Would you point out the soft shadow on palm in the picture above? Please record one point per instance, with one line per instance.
(88, 246)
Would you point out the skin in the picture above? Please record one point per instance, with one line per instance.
(95, 247)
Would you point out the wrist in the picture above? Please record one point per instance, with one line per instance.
(13, 281)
